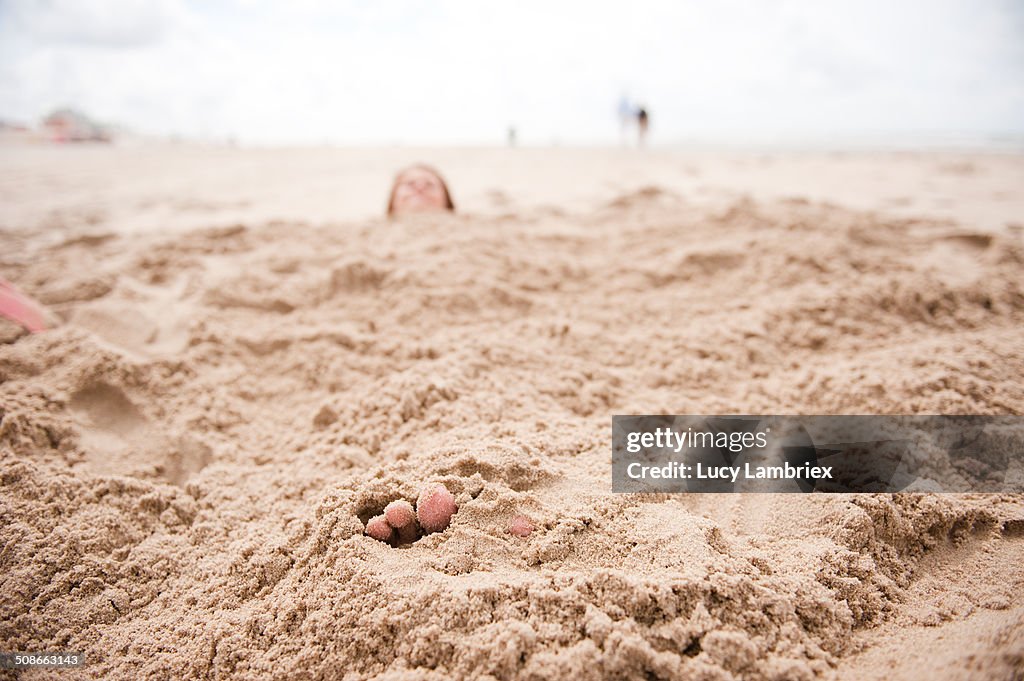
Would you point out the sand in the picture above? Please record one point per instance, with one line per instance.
(251, 363)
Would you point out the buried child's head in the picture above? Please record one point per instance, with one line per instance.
(419, 189)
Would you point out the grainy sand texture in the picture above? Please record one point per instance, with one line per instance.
(250, 362)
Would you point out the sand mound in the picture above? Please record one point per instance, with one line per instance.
(187, 463)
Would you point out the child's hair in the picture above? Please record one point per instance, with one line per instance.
(448, 203)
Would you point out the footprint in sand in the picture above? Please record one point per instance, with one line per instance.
(956, 258)
(117, 439)
(151, 323)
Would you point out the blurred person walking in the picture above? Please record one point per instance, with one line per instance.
(642, 122)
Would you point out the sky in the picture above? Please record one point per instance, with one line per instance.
(463, 71)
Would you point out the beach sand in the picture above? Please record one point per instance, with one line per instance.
(250, 362)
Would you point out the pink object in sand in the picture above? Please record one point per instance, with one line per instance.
(19, 308)
(435, 508)
(520, 526)
(400, 514)
(378, 528)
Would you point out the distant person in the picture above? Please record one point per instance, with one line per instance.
(642, 122)
(511, 135)
(419, 189)
(626, 115)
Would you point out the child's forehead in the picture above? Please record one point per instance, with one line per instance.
(409, 173)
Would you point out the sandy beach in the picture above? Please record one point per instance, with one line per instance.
(248, 361)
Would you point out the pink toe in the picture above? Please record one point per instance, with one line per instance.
(399, 513)
(435, 508)
(378, 528)
(520, 526)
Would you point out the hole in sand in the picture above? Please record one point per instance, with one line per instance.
(369, 511)
(1013, 528)
(366, 512)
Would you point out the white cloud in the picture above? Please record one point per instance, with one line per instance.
(459, 70)
(112, 23)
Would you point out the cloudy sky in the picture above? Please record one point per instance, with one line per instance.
(462, 71)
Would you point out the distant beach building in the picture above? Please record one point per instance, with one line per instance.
(68, 125)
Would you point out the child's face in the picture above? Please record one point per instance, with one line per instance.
(418, 190)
